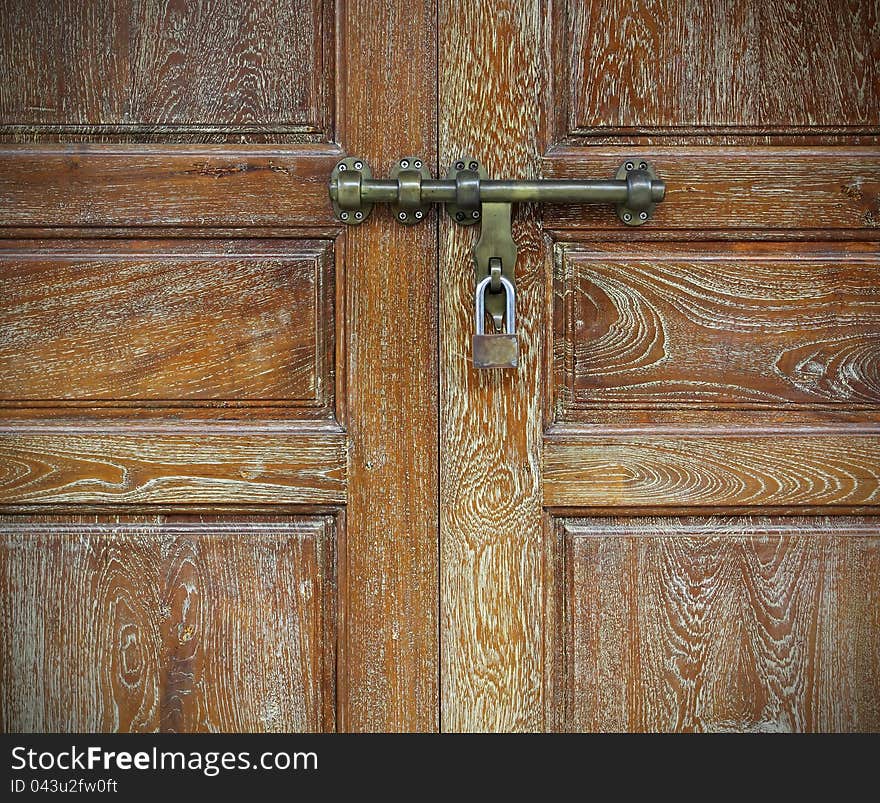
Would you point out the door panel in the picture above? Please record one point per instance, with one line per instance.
(740, 624)
(135, 316)
(230, 399)
(157, 69)
(168, 623)
(207, 421)
(715, 369)
(740, 67)
(662, 327)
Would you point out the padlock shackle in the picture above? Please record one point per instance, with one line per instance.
(509, 307)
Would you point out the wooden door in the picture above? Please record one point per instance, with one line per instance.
(220, 474)
(218, 463)
(666, 518)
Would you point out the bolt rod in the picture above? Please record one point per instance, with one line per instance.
(562, 191)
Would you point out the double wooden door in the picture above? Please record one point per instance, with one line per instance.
(251, 481)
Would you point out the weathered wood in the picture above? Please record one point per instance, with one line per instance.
(722, 189)
(167, 623)
(721, 624)
(389, 673)
(185, 70)
(721, 468)
(683, 376)
(146, 374)
(716, 66)
(778, 435)
(491, 557)
(167, 185)
(673, 327)
(91, 466)
(191, 75)
(168, 320)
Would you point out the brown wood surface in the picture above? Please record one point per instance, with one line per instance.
(767, 326)
(90, 465)
(82, 320)
(720, 468)
(167, 623)
(186, 330)
(718, 624)
(491, 558)
(675, 375)
(808, 190)
(164, 272)
(390, 674)
(160, 69)
(728, 66)
(50, 186)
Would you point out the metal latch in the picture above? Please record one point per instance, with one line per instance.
(471, 197)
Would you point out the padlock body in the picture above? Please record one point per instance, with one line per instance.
(495, 351)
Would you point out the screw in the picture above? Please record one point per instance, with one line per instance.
(473, 166)
(643, 165)
(643, 215)
(629, 165)
(358, 165)
(475, 214)
(402, 216)
(459, 165)
(344, 215)
(404, 163)
(419, 214)
(459, 215)
(417, 164)
(359, 215)
(342, 167)
(627, 217)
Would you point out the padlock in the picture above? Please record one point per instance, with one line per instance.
(498, 350)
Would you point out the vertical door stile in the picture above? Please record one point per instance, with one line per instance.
(490, 517)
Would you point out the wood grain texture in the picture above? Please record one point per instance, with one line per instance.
(736, 189)
(168, 320)
(91, 466)
(719, 624)
(725, 309)
(390, 669)
(721, 66)
(491, 553)
(140, 68)
(134, 458)
(799, 467)
(768, 326)
(167, 624)
(170, 185)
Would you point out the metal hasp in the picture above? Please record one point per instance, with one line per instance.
(471, 197)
